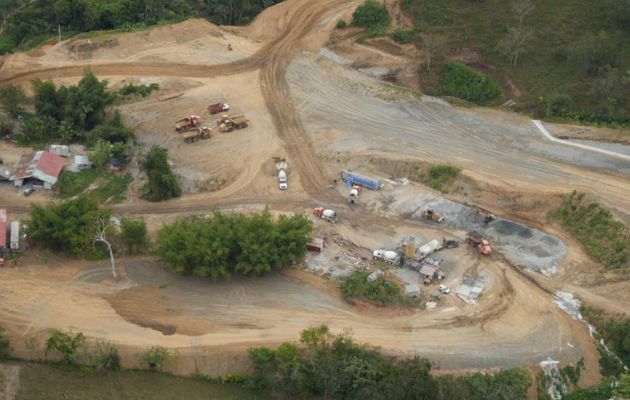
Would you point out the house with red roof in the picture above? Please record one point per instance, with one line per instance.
(43, 168)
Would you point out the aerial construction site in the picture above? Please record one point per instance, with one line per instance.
(290, 114)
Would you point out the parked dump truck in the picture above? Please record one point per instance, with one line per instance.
(479, 241)
(392, 257)
(450, 243)
(350, 178)
(228, 123)
(188, 123)
(432, 215)
(198, 133)
(218, 108)
(326, 214)
(425, 250)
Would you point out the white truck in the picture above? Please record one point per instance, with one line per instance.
(282, 179)
(425, 250)
(326, 214)
(388, 256)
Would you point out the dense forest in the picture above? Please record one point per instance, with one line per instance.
(27, 24)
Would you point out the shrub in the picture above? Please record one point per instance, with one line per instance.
(5, 346)
(106, 357)
(66, 344)
(460, 81)
(379, 290)
(162, 184)
(402, 35)
(440, 176)
(142, 90)
(133, 235)
(341, 24)
(155, 358)
(371, 14)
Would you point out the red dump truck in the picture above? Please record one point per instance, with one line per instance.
(218, 108)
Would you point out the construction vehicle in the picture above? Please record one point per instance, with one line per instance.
(198, 133)
(480, 242)
(281, 167)
(489, 218)
(427, 249)
(227, 123)
(392, 257)
(326, 214)
(450, 243)
(444, 289)
(218, 108)
(188, 123)
(432, 215)
(352, 179)
(354, 194)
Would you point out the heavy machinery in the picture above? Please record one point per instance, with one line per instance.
(392, 257)
(353, 198)
(326, 214)
(450, 243)
(198, 133)
(188, 123)
(479, 241)
(228, 123)
(432, 215)
(352, 179)
(218, 108)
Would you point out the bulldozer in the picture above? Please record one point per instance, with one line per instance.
(198, 133)
(228, 123)
(479, 241)
(188, 123)
(432, 215)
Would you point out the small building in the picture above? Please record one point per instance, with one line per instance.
(59, 149)
(431, 272)
(80, 163)
(23, 170)
(15, 235)
(316, 245)
(48, 168)
(412, 290)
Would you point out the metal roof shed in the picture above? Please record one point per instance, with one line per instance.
(48, 168)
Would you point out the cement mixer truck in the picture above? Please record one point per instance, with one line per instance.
(388, 256)
(326, 214)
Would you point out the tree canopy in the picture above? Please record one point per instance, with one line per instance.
(162, 184)
(225, 244)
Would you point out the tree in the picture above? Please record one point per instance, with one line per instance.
(431, 45)
(48, 100)
(371, 15)
(101, 153)
(86, 102)
(155, 358)
(68, 226)
(102, 230)
(105, 357)
(12, 98)
(65, 343)
(133, 235)
(522, 8)
(594, 52)
(514, 43)
(162, 184)
(463, 82)
(5, 346)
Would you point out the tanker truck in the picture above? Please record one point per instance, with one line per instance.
(425, 250)
(388, 256)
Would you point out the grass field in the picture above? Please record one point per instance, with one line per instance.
(546, 68)
(44, 382)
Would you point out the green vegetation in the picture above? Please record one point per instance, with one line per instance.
(66, 344)
(225, 244)
(615, 331)
(104, 187)
(460, 81)
(133, 235)
(162, 184)
(334, 366)
(155, 358)
(36, 23)
(373, 16)
(440, 176)
(603, 237)
(12, 99)
(105, 357)
(608, 389)
(341, 24)
(402, 35)
(564, 59)
(5, 346)
(142, 90)
(72, 184)
(380, 290)
(68, 226)
(41, 381)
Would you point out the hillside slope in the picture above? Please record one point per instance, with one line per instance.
(575, 64)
